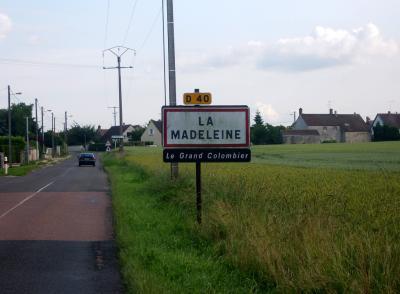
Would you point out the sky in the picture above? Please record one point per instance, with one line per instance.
(274, 56)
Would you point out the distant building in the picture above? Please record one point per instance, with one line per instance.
(301, 137)
(387, 119)
(348, 128)
(152, 133)
(101, 132)
(115, 131)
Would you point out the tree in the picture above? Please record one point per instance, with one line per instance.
(258, 131)
(58, 139)
(79, 135)
(386, 133)
(274, 134)
(262, 133)
(136, 135)
(19, 112)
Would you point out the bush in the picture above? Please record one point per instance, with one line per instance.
(18, 145)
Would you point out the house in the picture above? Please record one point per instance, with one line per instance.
(153, 133)
(301, 137)
(346, 128)
(115, 131)
(387, 119)
(101, 132)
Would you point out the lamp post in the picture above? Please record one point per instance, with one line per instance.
(9, 124)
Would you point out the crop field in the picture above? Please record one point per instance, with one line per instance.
(298, 218)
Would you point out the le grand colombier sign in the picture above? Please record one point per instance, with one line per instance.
(206, 133)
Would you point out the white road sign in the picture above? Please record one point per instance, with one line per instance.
(206, 127)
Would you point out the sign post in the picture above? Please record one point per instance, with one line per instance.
(205, 134)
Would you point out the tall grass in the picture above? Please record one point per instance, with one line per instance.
(294, 229)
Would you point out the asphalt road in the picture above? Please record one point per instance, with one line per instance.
(56, 232)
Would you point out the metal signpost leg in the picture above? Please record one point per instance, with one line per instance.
(198, 192)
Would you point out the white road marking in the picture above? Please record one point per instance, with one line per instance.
(26, 199)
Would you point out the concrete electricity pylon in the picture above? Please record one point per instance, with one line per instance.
(171, 69)
(9, 124)
(114, 114)
(119, 51)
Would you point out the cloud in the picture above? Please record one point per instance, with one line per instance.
(327, 47)
(324, 48)
(268, 113)
(34, 40)
(5, 25)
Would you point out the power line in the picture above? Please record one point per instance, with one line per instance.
(107, 21)
(40, 63)
(130, 21)
(151, 29)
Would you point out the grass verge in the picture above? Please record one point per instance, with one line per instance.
(159, 249)
(19, 171)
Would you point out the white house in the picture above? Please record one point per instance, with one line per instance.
(387, 119)
(153, 133)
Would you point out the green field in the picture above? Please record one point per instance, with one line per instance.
(299, 218)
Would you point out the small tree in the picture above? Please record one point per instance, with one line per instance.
(258, 131)
(136, 135)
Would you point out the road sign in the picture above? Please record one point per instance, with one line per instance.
(117, 137)
(205, 134)
(206, 127)
(207, 155)
(108, 144)
(197, 98)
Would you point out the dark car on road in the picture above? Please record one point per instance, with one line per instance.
(87, 159)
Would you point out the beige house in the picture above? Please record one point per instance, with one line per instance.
(346, 128)
(153, 132)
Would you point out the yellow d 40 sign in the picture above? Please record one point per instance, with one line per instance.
(197, 98)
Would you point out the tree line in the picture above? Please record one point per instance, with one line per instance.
(262, 133)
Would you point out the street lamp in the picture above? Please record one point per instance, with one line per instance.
(9, 123)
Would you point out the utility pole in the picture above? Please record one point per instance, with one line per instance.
(115, 114)
(65, 133)
(53, 127)
(119, 51)
(9, 126)
(37, 129)
(27, 140)
(44, 146)
(294, 116)
(172, 72)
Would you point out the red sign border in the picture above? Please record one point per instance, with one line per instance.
(224, 108)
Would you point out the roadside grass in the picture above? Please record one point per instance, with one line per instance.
(24, 169)
(19, 171)
(159, 248)
(280, 227)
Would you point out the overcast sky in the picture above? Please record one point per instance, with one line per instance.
(275, 56)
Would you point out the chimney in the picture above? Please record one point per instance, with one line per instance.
(330, 111)
(300, 111)
(355, 113)
(389, 112)
(368, 119)
(335, 112)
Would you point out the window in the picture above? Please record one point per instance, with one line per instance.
(151, 132)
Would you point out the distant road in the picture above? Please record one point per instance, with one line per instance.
(56, 232)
